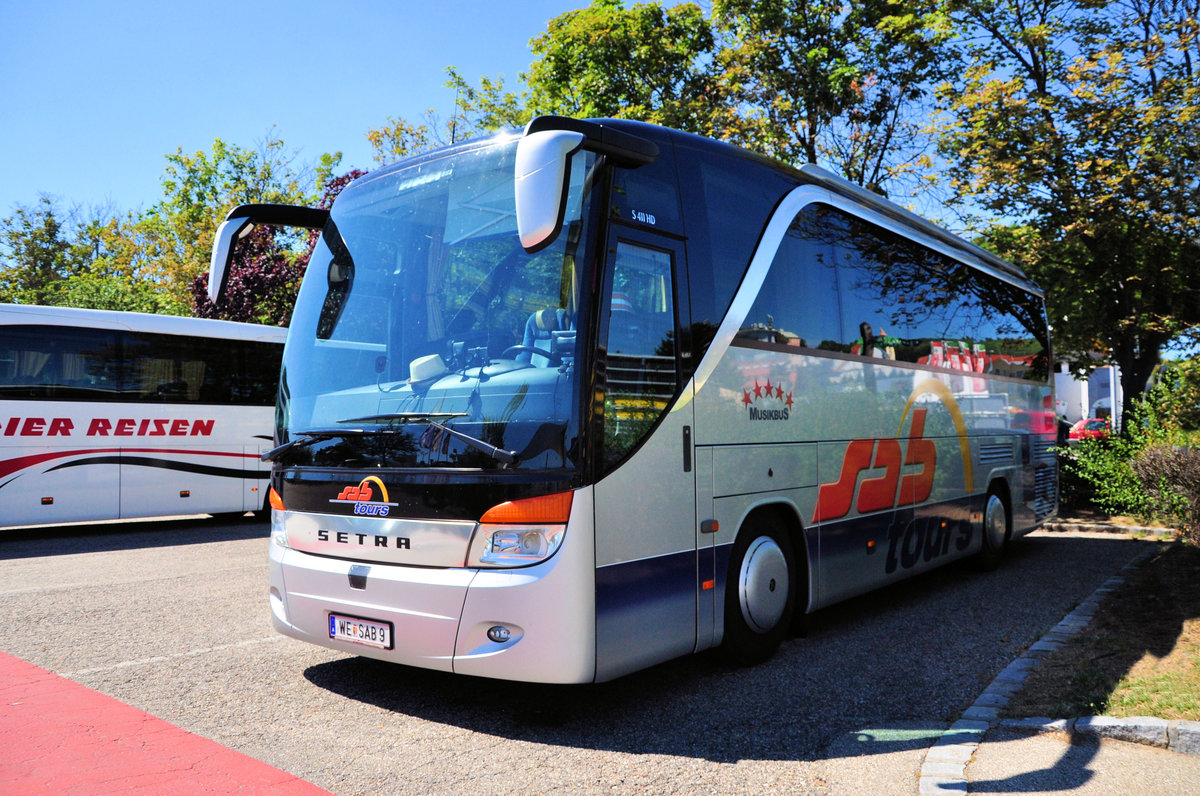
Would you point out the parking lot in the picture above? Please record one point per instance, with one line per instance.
(172, 617)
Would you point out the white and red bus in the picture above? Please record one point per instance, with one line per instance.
(561, 404)
(107, 415)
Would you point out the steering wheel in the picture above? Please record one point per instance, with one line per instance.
(555, 359)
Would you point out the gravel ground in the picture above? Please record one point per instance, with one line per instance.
(173, 619)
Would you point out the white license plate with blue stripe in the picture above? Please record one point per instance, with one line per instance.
(357, 630)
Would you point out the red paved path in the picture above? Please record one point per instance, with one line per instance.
(57, 736)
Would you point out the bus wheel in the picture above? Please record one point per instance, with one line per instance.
(995, 533)
(759, 593)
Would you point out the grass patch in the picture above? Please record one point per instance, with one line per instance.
(1140, 656)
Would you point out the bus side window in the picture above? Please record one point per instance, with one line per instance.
(798, 302)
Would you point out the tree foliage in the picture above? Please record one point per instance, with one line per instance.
(57, 257)
(641, 62)
(478, 110)
(830, 81)
(1152, 470)
(147, 261)
(267, 267)
(1078, 119)
(38, 254)
(176, 234)
(841, 83)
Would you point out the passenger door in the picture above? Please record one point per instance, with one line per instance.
(645, 519)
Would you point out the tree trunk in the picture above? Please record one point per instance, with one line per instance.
(1137, 365)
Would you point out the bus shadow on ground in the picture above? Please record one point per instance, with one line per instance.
(886, 672)
(42, 541)
(692, 707)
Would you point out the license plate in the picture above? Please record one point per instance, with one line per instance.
(357, 630)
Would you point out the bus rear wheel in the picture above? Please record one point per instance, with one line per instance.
(995, 532)
(759, 593)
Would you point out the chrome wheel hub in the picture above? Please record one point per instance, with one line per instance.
(995, 522)
(763, 584)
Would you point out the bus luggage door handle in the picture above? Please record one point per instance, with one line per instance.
(687, 449)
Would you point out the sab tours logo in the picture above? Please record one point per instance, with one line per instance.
(361, 496)
(767, 401)
(897, 472)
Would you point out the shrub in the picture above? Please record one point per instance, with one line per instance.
(1170, 479)
(1148, 471)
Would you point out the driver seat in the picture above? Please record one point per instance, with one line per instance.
(539, 330)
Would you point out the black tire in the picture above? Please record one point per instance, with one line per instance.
(760, 593)
(997, 530)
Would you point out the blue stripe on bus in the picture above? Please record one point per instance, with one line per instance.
(645, 612)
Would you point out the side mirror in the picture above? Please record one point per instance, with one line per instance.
(238, 224)
(541, 183)
(542, 176)
(230, 231)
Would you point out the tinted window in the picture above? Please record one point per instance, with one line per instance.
(64, 364)
(729, 200)
(648, 196)
(798, 303)
(101, 365)
(178, 369)
(840, 283)
(640, 373)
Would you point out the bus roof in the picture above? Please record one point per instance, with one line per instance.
(812, 174)
(26, 314)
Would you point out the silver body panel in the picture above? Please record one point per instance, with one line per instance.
(418, 543)
(763, 460)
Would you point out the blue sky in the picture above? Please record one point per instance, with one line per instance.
(95, 94)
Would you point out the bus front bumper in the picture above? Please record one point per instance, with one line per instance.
(440, 617)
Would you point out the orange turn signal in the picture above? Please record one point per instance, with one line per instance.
(543, 510)
(276, 500)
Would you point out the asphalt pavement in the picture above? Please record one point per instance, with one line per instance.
(172, 621)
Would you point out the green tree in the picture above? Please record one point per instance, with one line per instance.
(834, 82)
(264, 276)
(1079, 120)
(643, 62)
(173, 239)
(485, 108)
(399, 138)
(844, 83)
(478, 110)
(39, 252)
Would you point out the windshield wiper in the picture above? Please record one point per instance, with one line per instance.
(299, 440)
(408, 417)
(303, 439)
(432, 419)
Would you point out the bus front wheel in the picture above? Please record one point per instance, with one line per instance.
(759, 593)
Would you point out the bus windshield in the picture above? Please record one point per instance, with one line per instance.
(427, 334)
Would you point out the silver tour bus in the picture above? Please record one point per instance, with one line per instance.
(560, 404)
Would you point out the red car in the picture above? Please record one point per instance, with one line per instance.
(1092, 428)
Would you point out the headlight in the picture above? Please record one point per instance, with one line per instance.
(520, 532)
(515, 546)
(278, 528)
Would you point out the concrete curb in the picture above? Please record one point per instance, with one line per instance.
(1176, 736)
(945, 767)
